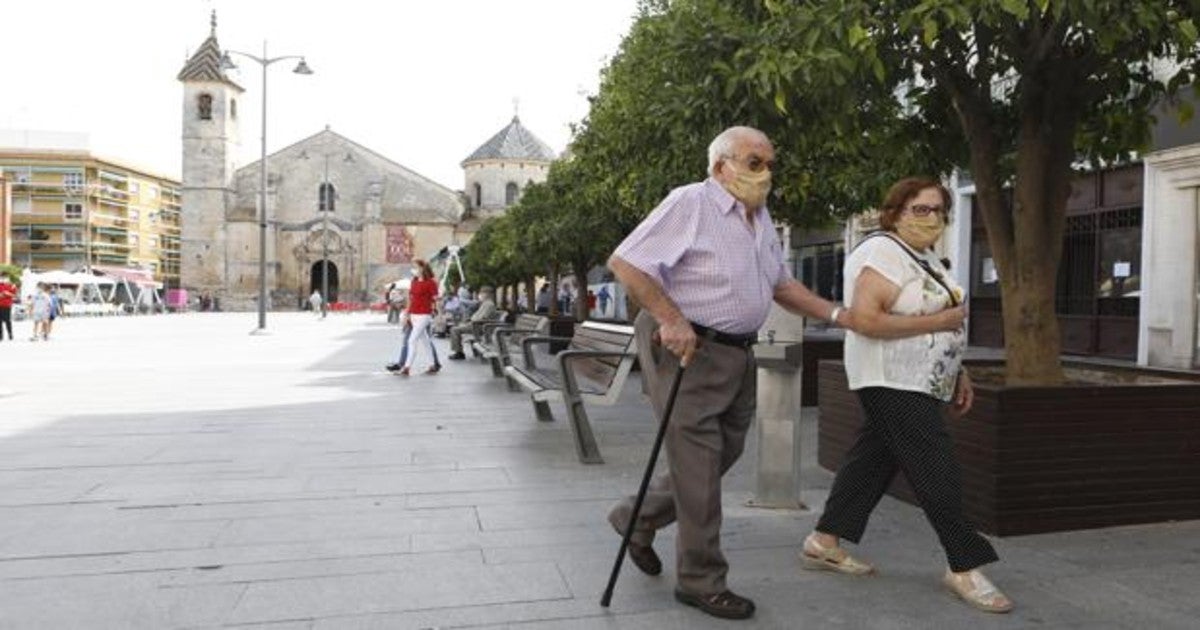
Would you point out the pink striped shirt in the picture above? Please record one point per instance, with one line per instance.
(698, 246)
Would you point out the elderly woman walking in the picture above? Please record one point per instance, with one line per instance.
(904, 359)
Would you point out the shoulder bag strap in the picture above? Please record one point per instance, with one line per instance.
(933, 273)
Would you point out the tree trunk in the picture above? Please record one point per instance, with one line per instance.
(531, 293)
(554, 280)
(1026, 236)
(581, 289)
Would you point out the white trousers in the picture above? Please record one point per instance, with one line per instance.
(418, 336)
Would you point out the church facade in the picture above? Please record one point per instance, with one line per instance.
(333, 206)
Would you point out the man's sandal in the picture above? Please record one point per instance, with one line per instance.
(818, 557)
(978, 591)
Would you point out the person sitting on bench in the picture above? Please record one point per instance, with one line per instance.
(486, 312)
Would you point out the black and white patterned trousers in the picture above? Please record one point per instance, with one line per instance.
(904, 431)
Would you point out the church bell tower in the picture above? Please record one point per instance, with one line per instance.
(210, 143)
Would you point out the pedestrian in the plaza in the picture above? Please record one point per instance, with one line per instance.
(315, 302)
(705, 265)
(448, 315)
(395, 303)
(485, 312)
(405, 333)
(39, 312)
(904, 359)
(8, 295)
(421, 297)
(603, 296)
(542, 302)
(55, 312)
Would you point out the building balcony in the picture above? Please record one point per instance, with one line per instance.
(118, 232)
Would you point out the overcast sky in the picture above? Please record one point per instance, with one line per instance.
(424, 82)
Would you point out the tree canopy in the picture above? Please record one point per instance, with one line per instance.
(856, 94)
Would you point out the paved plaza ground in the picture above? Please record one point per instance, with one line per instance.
(177, 472)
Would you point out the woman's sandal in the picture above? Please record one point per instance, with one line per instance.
(978, 591)
(818, 557)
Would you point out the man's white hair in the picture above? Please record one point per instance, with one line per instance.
(722, 146)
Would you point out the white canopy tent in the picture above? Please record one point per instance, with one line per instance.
(82, 293)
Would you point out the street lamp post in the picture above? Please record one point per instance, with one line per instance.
(327, 206)
(264, 61)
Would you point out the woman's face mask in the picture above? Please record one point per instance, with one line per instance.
(921, 232)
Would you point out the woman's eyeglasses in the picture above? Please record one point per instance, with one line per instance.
(922, 210)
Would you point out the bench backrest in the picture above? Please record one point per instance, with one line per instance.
(604, 338)
(529, 321)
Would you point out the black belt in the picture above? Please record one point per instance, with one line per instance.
(725, 339)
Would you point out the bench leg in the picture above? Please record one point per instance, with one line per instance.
(541, 408)
(497, 367)
(585, 442)
(504, 363)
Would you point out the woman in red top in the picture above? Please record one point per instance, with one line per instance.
(421, 296)
(7, 293)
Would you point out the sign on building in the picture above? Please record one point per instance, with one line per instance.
(399, 245)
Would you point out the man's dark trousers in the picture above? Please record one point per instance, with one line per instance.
(705, 437)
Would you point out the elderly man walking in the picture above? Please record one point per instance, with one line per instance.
(705, 266)
(486, 312)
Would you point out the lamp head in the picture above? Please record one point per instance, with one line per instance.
(227, 62)
(302, 67)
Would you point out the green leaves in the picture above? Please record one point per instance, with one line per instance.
(1188, 34)
(1017, 8)
(930, 32)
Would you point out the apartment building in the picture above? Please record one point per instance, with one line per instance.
(72, 210)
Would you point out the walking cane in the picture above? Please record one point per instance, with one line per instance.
(641, 495)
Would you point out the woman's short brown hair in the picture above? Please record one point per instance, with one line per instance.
(902, 192)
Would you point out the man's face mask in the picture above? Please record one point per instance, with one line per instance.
(749, 186)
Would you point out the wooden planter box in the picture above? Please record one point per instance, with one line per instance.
(1043, 459)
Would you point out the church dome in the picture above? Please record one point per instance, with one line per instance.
(515, 143)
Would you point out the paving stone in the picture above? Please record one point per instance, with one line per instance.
(432, 588)
(285, 481)
(385, 524)
(113, 602)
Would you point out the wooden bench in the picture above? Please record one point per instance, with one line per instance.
(592, 369)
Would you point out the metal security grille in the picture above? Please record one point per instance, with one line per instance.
(1098, 290)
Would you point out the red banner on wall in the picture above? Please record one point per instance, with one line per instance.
(399, 245)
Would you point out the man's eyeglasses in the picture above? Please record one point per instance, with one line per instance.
(922, 210)
(756, 164)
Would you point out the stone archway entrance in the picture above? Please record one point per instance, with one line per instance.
(319, 269)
